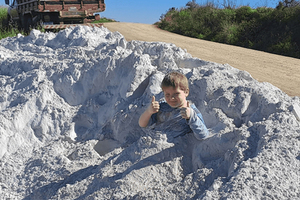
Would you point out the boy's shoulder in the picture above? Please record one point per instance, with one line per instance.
(193, 106)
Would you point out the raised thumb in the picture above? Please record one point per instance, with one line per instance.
(153, 98)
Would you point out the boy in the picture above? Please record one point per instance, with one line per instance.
(177, 115)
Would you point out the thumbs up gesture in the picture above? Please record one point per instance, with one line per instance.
(186, 111)
(154, 106)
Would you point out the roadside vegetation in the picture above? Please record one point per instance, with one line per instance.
(104, 20)
(5, 30)
(274, 30)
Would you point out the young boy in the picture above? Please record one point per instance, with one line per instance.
(177, 114)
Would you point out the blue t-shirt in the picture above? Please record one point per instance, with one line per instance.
(169, 120)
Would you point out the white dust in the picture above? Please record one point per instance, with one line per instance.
(70, 104)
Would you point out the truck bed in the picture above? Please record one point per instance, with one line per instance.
(67, 8)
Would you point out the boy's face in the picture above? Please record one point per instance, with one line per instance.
(175, 97)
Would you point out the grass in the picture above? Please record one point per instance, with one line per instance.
(104, 19)
(5, 29)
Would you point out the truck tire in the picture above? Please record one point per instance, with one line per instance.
(26, 22)
(23, 21)
(29, 23)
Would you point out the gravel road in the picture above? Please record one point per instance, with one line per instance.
(281, 71)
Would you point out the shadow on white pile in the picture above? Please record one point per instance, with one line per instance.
(70, 103)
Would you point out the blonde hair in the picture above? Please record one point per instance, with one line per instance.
(175, 79)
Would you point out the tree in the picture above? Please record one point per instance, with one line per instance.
(288, 3)
(192, 5)
(229, 4)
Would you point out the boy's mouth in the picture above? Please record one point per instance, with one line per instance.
(174, 104)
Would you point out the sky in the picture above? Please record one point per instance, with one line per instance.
(149, 11)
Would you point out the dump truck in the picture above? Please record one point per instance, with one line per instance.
(53, 14)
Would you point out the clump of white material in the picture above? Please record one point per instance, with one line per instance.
(70, 104)
(296, 111)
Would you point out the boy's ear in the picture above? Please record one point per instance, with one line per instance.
(187, 91)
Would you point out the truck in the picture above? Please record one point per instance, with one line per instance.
(53, 14)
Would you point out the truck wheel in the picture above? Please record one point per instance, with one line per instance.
(23, 22)
(26, 22)
(29, 24)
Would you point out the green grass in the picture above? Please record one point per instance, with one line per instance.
(5, 30)
(104, 19)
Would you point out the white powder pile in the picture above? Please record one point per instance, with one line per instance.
(70, 104)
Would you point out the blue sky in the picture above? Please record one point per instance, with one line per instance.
(149, 11)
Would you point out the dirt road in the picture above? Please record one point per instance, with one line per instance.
(281, 71)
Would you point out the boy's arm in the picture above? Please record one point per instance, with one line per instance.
(145, 117)
(197, 125)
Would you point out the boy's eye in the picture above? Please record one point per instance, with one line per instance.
(174, 95)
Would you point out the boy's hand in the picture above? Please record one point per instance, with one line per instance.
(186, 111)
(154, 106)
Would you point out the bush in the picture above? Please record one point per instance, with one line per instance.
(246, 13)
(3, 17)
(228, 34)
(7, 30)
(266, 29)
(104, 19)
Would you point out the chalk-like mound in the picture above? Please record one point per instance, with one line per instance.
(70, 104)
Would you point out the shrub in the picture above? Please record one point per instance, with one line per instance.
(104, 19)
(228, 34)
(266, 29)
(3, 17)
(246, 13)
